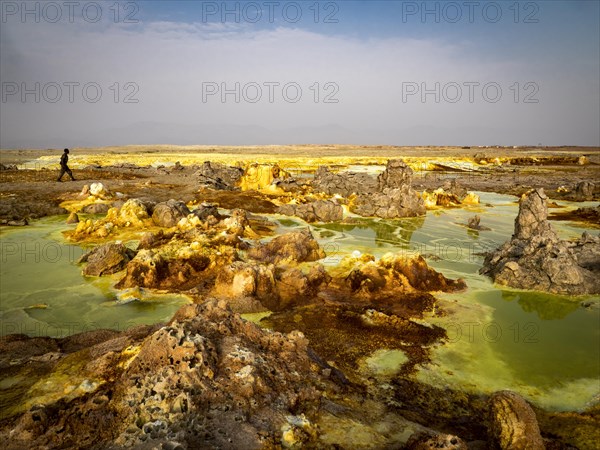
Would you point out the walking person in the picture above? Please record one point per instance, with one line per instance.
(64, 159)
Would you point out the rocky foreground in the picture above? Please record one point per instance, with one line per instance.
(210, 379)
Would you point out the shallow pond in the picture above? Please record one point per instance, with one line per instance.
(43, 293)
(545, 347)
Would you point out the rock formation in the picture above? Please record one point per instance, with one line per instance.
(73, 218)
(396, 174)
(584, 191)
(160, 270)
(258, 287)
(133, 212)
(396, 273)
(535, 258)
(258, 177)
(16, 212)
(512, 424)
(344, 184)
(450, 194)
(439, 197)
(205, 210)
(208, 378)
(15, 223)
(100, 191)
(474, 223)
(427, 441)
(388, 196)
(167, 214)
(96, 208)
(297, 246)
(389, 204)
(218, 176)
(318, 211)
(106, 259)
(394, 197)
(587, 215)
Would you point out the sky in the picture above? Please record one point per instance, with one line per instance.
(282, 72)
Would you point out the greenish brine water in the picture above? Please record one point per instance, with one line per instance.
(543, 346)
(43, 292)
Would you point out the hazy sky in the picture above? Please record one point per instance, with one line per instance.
(274, 72)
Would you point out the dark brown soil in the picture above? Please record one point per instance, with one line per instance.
(589, 216)
(344, 332)
(516, 180)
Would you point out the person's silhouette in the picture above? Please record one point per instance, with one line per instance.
(64, 159)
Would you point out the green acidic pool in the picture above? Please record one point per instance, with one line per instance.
(544, 346)
(43, 293)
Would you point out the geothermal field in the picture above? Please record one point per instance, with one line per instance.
(306, 296)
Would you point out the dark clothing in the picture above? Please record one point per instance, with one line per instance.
(64, 159)
(64, 169)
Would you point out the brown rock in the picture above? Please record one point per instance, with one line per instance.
(17, 223)
(164, 270)
(535, 258)
(19, 347)
(398, 273)
(319, 211)
(512, 424)
(473, 222)
(292, 287)
(151, 240)
(429, 441)
(345, 183)
(106, 259)
(96, 208)
(584, 191)
(73, 218)
(389, 204)
(204, 211)
(218, 176)
(206, 377)
(531, 220)
(395, 175)
(294, 247)
(167, 214)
